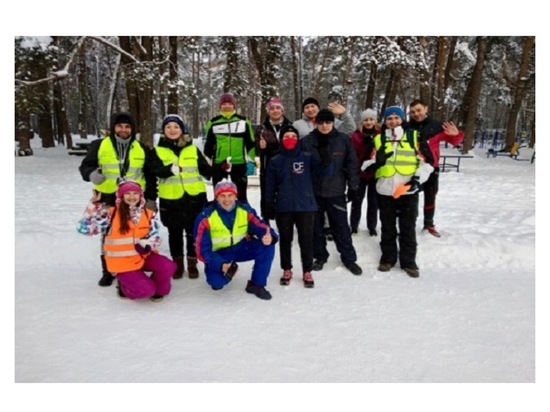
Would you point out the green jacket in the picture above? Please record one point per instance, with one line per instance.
(231, 136)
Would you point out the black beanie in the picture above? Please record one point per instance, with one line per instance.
(122, 117)
(324, 115)
(288, 128)
(310, 100)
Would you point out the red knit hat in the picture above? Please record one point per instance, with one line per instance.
(227, 98)
(225, 186)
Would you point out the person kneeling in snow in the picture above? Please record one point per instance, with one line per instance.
(228, 231)
(131, 243)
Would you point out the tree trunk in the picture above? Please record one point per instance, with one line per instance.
(518, 91)
(471, 98)
(439, 77)
(347, 81)
(317, 82)
(173, 97)
(63, 129)
(425, 92)
(369, 100)
(295, 80)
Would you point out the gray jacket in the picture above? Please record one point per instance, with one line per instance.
(344, 125)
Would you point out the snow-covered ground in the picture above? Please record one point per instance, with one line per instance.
(469, 318)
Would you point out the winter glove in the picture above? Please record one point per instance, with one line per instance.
(423, 172)
(270, 211)
(151, 205)
(231, 271)
(382, 156)
(408, 188)
(352, 194)
(97, 178)
(144, 242)
(175, 169)
(226, 166)
(367, 163)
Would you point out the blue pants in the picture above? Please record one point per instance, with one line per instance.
(244, 251)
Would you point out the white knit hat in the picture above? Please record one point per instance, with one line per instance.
(369, 114)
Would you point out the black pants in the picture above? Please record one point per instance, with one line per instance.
(238, 176)
(400, 212)
(337, 213)
(262, 197)
(368, 187)
(430, 189)
(304, 224)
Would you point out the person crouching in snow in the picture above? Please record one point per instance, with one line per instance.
(131, 243)
(228, 231)
(402, 167)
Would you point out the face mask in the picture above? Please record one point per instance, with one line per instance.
(290, 143)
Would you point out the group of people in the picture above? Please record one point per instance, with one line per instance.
(309, 170)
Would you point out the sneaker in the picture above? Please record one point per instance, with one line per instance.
(106, 279)
(354, 268)
(308, 280)
(119, 291)
(384, 267)
(156, 298)
(432, 230)
(412, 272)
(259, 291)
(285, 279)
(373, 232)
(318, 264)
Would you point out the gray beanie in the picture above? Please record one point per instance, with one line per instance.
(368, 114)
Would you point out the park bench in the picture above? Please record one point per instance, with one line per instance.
(79, 148)
(447, 161)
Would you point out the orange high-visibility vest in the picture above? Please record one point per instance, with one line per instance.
(120, 250)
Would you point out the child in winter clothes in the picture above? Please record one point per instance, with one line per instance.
(229, 231)
(401, 169)
(363, 142)
(291, 202)
(131, 241)
(179, 166)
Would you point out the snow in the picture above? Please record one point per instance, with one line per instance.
(469, 318)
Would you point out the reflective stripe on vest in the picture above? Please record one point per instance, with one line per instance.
(189, 180)
(403, 161)
(120, 250)
(220, 234)
(109, 164)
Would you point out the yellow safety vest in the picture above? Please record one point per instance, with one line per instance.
(220, 234)
(403, 161)
(188, 181)
(109, 164)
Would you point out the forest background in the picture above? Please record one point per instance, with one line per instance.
(468, 20)
(66, 85)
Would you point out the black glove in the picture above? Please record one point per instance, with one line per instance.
(382, 156)
(415, 185)
(351, 195)
(231, 271)
(151, 205)
(270, 211)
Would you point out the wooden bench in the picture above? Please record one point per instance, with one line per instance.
(79, 148)
(451, 162)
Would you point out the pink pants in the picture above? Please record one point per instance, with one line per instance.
(137, 285)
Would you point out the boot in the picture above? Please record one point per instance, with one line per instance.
(178, 274)
(107, 278)
(192, 268)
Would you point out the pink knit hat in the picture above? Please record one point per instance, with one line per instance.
(128, 186)
(274, 101)
(225, 186)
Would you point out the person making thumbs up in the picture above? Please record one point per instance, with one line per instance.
(229, 231)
